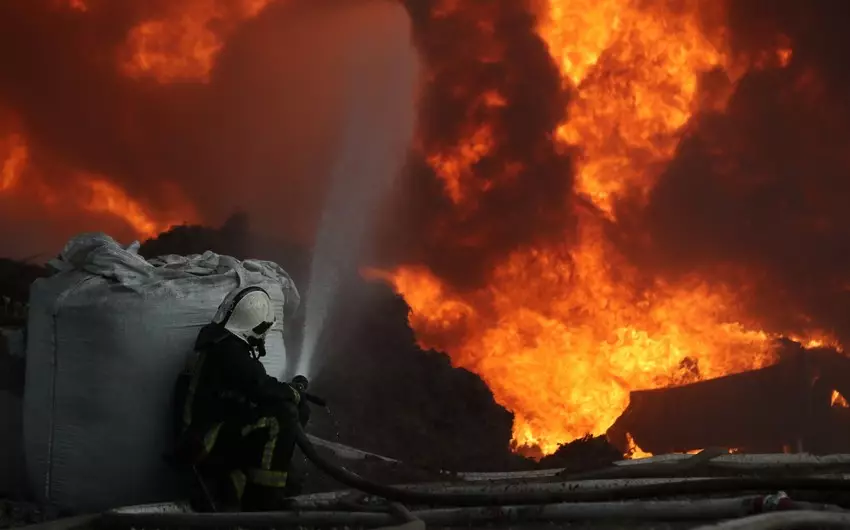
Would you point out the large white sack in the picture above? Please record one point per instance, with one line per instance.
(107, 337)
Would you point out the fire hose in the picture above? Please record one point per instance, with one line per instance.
(507, 497)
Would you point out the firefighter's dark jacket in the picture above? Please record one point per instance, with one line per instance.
(229, 384)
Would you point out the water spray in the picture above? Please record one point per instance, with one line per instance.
(374, 145)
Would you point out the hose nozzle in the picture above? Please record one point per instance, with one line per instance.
(301, 383)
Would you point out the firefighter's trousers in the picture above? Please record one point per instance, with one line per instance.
(248, 458)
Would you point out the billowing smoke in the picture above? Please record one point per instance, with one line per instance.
(756, 194)
(486, 176)
(194, 108)
(765, 185)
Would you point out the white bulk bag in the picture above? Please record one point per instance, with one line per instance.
(107, 337)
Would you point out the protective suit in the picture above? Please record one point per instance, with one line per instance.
(234, 421)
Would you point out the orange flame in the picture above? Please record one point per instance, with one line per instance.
(453, 165)
(838, 400)
(561, 335)
(99, 194)
(636, 67)
(14, 158)
(634, 452)
(183, 45)
(108, 198)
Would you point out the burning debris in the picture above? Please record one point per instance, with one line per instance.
(603, 198)
(585, 454)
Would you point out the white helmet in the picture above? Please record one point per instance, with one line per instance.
(247, 314)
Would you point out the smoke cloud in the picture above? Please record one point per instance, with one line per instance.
(490, 73)
(257, 135)
(765, 184)
(760, 186)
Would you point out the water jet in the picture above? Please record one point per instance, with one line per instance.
(377, 132)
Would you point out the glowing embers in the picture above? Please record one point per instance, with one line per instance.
(838, 401)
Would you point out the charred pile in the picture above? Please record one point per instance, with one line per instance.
(233, 238)
(585, 454)
(393, 398)
(386, 394)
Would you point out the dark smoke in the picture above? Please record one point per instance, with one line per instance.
(762, 186)
(484, 46)
(766, 184)
(258, 137)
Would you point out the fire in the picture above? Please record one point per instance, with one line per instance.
(838, 400)
(13, 156)
(85, 192)
(636, 66)
(784, 55)
(561, 334)
(183, 45)
(452, 165)
(108, 198)
(634, 452)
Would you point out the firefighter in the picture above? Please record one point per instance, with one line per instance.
(236, 423)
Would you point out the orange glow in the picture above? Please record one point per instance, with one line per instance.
(784, 56)
(451, 167)
(78, 5)
(74, 5)
(636, 66)
(84, 192)
(838, 400)
(634, 452)
(107, 197)
(183, 45)
(561, 334)
(454, 165)
(13, 158)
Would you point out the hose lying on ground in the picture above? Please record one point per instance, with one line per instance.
(681, 510)
(507, 497)
(784, 520)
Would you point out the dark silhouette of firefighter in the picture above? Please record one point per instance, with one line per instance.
(237, 423)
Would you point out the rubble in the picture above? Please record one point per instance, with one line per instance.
(585, 454)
